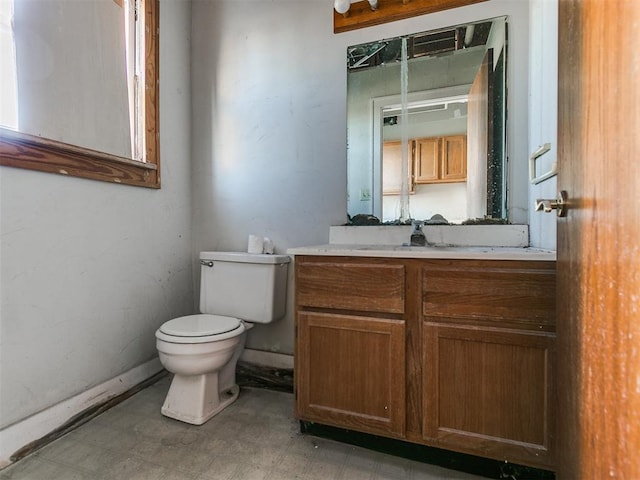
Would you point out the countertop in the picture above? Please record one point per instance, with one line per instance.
(398, 251)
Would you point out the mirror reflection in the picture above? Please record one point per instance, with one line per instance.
(436, 146)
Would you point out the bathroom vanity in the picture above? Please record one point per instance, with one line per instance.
(441, 346)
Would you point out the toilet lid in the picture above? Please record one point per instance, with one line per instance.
(199, 325)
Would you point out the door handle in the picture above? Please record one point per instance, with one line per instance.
(559, 204)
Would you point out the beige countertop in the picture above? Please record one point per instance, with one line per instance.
(398, 251)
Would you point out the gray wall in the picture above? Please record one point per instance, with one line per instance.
(269, 123)
(268, 131)
(543, 108)
(89, 270)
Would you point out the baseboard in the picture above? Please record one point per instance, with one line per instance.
(20, 434)
(267, 359)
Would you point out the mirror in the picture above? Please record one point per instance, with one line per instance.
(444, 137)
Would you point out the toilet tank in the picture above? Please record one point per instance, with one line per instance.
(248, 286)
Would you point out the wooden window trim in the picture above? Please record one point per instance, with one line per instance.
(360, 14)
(36, 153)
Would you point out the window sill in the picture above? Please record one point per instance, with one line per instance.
(35, 153)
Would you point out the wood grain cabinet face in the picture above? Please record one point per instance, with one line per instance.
(364, 286)
(352, 372)
(488, 391)
(517, 294)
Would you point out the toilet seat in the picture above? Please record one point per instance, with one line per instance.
(200, 328)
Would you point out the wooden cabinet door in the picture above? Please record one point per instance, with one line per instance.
(488, 391)
(427, 160)
(453, 166)
(392, 168)
(350, 372)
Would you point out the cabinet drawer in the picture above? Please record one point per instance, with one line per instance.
(514, 292)
(367, 287)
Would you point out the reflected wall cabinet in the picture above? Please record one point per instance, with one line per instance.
(440, 159)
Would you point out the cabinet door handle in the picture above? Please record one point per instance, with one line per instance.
(559, 205)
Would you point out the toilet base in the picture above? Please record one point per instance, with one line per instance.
(195, 399)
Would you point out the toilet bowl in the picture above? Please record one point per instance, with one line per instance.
(202, 350)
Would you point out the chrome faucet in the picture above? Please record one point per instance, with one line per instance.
(418, 238)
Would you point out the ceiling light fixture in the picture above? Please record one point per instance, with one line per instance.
(342, 6)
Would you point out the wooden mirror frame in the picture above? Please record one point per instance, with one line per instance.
(360, 14)
(36, 153)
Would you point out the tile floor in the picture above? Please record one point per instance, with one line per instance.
(255, 438)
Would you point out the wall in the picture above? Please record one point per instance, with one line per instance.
(446, 199)
(269, 123)
(543, 113)
(89, 270)
(268, 131)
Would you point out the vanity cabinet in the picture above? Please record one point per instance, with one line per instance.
(454, 354)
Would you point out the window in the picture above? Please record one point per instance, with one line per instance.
(8, 86)
(140, 164)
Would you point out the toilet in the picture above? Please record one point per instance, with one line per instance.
(236, 290)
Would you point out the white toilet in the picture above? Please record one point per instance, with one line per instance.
(202, 350)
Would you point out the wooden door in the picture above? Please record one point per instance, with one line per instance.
(599, 240)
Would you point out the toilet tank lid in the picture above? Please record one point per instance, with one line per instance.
(199, 325)
(243, 257)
